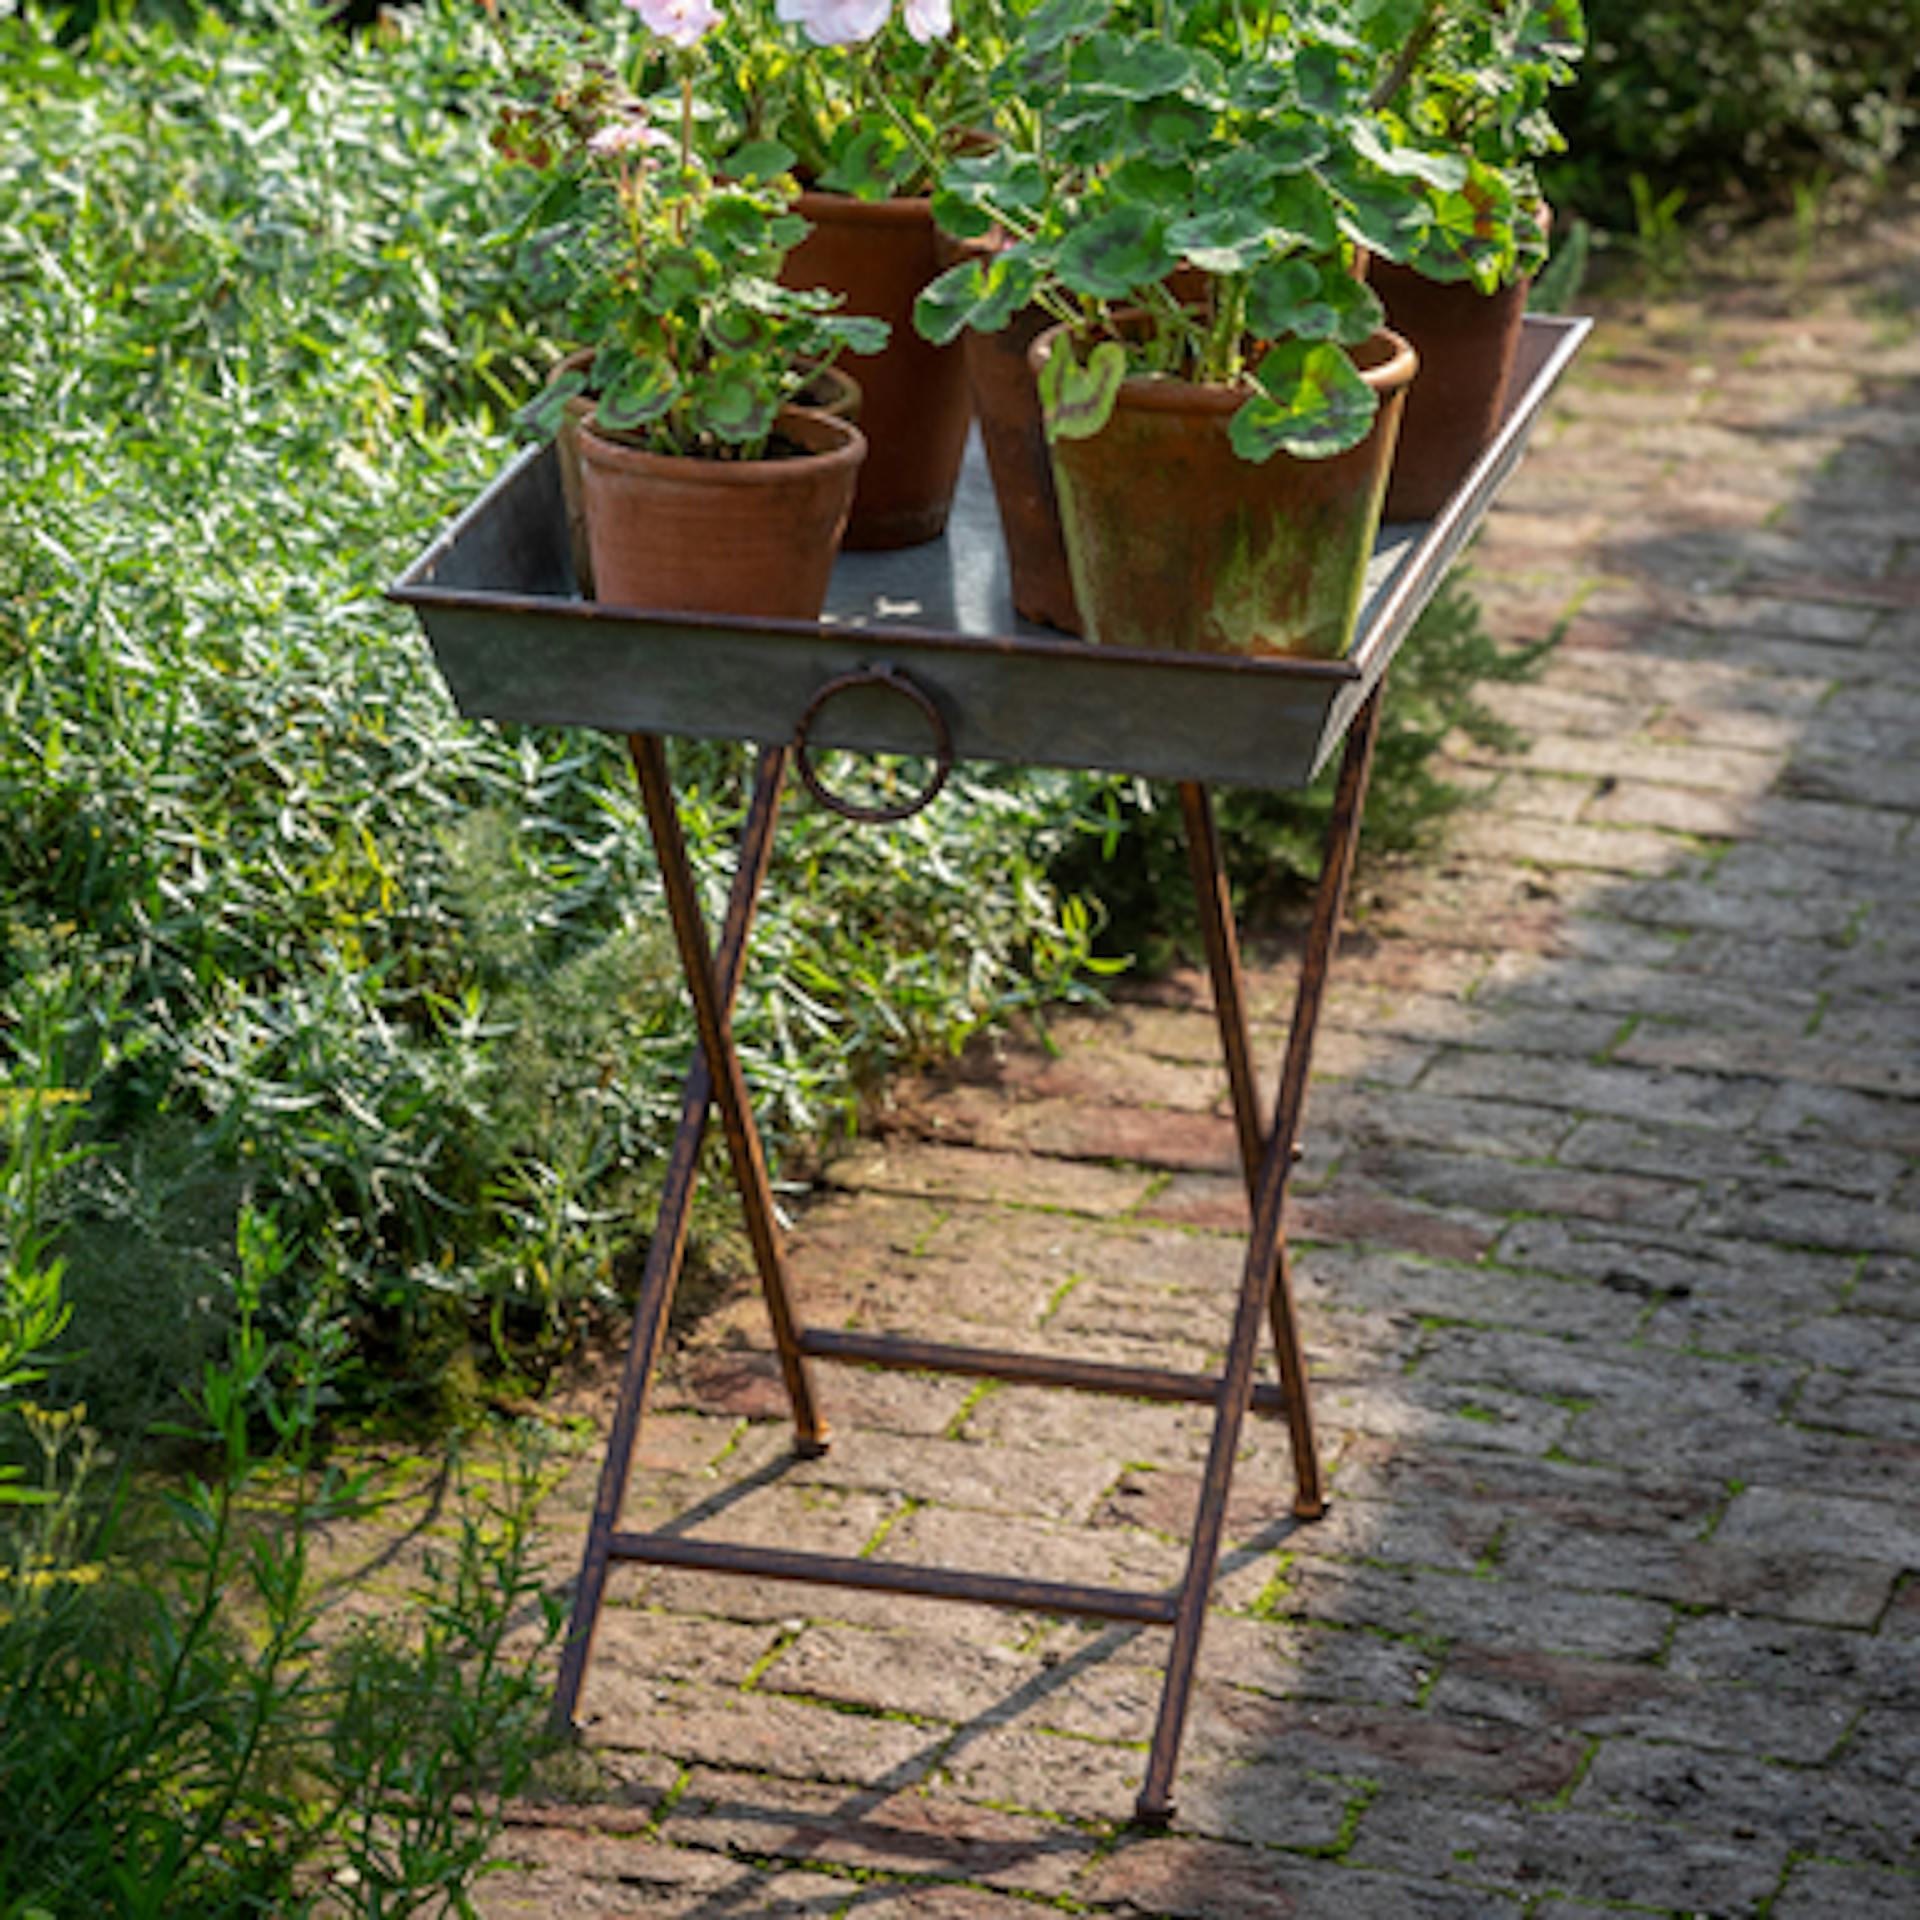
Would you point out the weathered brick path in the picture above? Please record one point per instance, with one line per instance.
(1611, 1269)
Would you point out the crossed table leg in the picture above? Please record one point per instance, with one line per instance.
(1267, 1155)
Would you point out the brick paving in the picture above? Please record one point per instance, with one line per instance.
(1609, 1249)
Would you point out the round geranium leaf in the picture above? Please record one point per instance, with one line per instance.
(1444, 172)
(1172, 130)
(1054, 22)
(734, 407)
(1118, 252)
(1133, 68)
(856, 332)
(1221, 240)
(737, 330)
(1278, 294)
(1311, 403)
(640, 388)
(760, 160)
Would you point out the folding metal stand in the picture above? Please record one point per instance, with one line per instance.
(1267, 1156)
(934, 629)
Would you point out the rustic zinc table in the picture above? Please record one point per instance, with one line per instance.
(920, 653)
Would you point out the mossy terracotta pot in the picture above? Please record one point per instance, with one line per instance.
(1175, 542)
(913, 407)
(1466, 341)
(672, 533)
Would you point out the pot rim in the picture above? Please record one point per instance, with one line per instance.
(1393, 366)
(905, 209)
(828, 439)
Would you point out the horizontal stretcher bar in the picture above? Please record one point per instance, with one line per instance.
(881, 1576)
(1042, 1369)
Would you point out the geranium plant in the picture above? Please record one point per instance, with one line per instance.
(1474, 77)
(867, 96)
(666, 265)
(1209, 172)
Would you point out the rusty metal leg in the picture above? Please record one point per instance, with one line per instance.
(744, 1151)
(665, 1252)
(1215, 902)
(1257, 1275)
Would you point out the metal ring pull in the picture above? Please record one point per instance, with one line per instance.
(894, 681)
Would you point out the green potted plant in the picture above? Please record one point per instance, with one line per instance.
(703, 487)
(866, 99)
(1186, 196)
(1474, 78)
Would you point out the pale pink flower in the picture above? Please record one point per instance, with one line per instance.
(680, 21)
(626, 136)
(836, 23)
(929, 19)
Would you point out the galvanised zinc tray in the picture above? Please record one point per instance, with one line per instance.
(514, 641)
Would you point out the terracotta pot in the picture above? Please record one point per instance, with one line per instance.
(1176, 542)
(679, 534)
(1466, 341)
(1005, 399)
(913, 407)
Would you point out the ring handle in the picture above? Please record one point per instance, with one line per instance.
(894, 681)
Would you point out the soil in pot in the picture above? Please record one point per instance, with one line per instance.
(1466, 341)
(1176, 542)
(673, 533)
(913, 409)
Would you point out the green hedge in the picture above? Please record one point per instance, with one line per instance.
(1736, 99)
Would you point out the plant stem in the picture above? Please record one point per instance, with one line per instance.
(1411, 55)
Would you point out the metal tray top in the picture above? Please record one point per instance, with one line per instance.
(514, 641)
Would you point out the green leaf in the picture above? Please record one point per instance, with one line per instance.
(732, 223)
(1221, 240)
(541, 416)
(1445, 172)
(1171, 130)
(976, 192)
(1123, 251)
(1078, 401)
(1311, 403)
(1152, 183)
(856, 332)
(738, 330)
(1055, 22)
(759, 160)
(676, 275)
(1378, 212)
(1277, 294)
(981, 294)
(1324, 82)
(734, 407)
(1131, 68)
(868, 161)
(636, 390)
(1301, 213)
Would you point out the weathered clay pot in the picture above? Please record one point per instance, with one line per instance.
(1466, 341)
(913, 409)
(1175, 542)
(677, 534)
